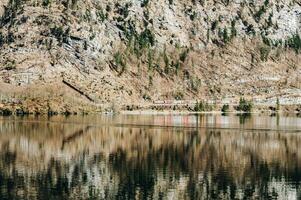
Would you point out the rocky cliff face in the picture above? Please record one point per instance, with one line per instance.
(62, 53)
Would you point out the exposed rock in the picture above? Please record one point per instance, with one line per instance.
(120, 52)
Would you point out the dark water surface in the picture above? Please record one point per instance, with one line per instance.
(151, 157)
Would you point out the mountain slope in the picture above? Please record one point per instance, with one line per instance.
(70, 54)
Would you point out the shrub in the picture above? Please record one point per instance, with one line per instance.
(60, 34)
(101, 15)
(150, 58)
(266, 40)
(10, 65)
(194, 83)
(146, 97)
(259, 13)
(244, 105)
(150, 81)
(10, 11)
(178, 95)
(294, 42)
(5, 112)
(137, 41)
(146, 38)
(225, 36)
(166, 62)
(120, 62)
(144, 3)
(46, 3)
(193, 16)
(277, 104)
(233, 29)
(123, 10)
(270, 22)
(199, 107)
(2, 39)
(214, 25)
(184, 55)
(225, 108)
(250, 29)
(202, 107)
(264, 53)
(176, 66)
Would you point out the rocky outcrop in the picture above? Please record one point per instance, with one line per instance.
(135, 52)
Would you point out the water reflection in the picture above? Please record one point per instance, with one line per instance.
(127, 157)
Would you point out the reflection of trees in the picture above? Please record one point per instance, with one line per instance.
(243, 117)
(60, 181)
(50, 161)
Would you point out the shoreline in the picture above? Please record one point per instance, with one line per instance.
(291, 109)
(156, 112)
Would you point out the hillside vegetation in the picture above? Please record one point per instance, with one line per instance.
(61, 55)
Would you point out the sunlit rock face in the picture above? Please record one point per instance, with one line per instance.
(146, 158)
(121, 51)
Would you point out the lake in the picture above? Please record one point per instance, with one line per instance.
(151, 157)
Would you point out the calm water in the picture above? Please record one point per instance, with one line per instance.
(151, 157)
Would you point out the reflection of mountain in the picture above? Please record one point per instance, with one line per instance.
(43, 160)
